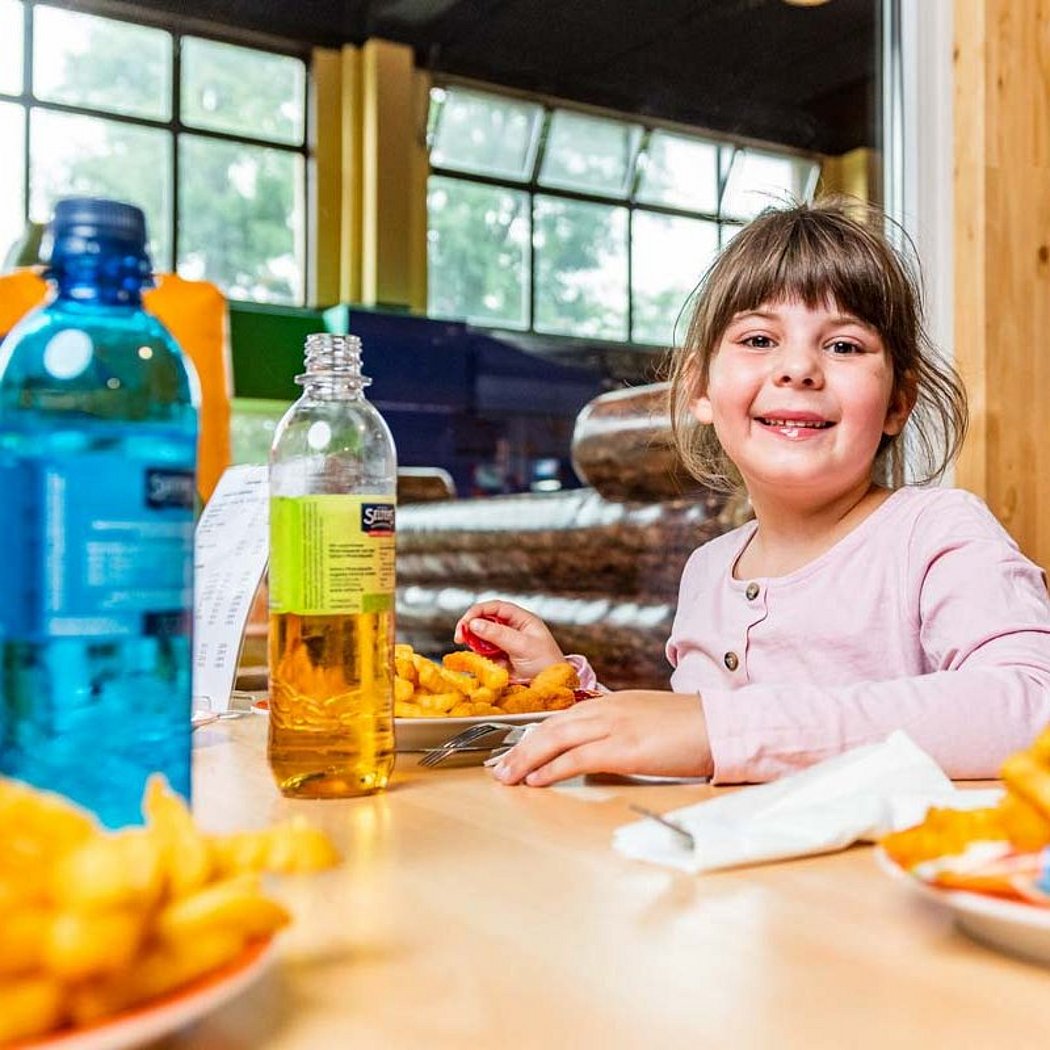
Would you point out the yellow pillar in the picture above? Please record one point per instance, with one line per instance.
(371, 176)
(1002, 258)
(852, 174)
(393, 177)
(327, 123)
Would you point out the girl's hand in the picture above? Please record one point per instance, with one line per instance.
(635, 731)
(526, 642)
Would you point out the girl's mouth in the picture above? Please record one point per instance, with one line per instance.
(793, 428)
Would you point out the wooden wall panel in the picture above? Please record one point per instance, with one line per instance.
(1002, 258)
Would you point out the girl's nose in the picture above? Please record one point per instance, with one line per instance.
(798, 366)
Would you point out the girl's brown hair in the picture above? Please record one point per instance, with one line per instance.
(819, 253)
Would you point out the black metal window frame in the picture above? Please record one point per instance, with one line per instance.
(179, 29)
(726, 149)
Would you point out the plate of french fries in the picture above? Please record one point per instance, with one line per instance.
(434, 700)
(112, 938)
(990, 867)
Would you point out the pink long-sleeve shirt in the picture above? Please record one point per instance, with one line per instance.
(926, 617)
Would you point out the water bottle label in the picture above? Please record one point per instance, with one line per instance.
(105, 547)
(331, 554)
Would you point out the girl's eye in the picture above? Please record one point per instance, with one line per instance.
(845, 346)
(759, 342)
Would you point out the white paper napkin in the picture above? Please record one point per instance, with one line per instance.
(857, 796)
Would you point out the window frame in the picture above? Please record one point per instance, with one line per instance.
(726, 146)
(178, 28)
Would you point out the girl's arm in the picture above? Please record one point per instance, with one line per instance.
(979, 610)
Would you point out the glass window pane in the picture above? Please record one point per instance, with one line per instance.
(727, 232)
(88, 155)
(83, 60)
(669, 255)
(241, 219)
(590, 154)
(763, 180)
(680, 172)
(484, 134)
(11, 64)
(12, 188)
(477, 252)
(581, 268)
(243, 91)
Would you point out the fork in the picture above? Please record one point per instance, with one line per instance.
(435, 756)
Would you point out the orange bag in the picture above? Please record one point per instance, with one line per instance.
(195, 314)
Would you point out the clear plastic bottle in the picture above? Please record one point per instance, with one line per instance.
(333, 482)
(98, 445)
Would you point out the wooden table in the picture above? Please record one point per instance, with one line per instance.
(469, 914)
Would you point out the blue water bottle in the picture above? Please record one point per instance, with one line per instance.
(98, 438)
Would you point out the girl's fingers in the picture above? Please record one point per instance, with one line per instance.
(506, 612)
(557, 735)
(592, 757)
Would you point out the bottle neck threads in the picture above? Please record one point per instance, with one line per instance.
(333, 366)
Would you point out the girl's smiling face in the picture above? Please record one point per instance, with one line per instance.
(800, 398)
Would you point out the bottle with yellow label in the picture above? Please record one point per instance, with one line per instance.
(333, 480)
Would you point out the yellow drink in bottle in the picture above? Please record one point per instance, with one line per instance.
(331, 642)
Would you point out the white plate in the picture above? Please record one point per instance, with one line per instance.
(421, 734)
(1009, 926)
(147, 1023)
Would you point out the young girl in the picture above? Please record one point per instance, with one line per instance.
(850, 606)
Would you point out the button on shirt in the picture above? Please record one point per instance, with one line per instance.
(926, 617)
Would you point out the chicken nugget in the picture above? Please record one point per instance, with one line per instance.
(489, 674)
(561, 675)
(558, 699)
(523, 702)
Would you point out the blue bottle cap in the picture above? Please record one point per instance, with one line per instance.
(92, 218)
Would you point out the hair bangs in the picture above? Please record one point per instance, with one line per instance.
(791, 257)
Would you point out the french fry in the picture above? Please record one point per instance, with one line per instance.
(292, 848)
(489, 674)
(110, 870)
(25, 936)
(436, 679)
(29, 1007)
(1026, 826)
(93, 922)
(185, 855)
(439, 703)
(467, 685)
(85, 944)
(160, 969)
(235, 904)
(1021, 819)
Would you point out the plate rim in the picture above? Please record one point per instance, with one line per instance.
(449, 727)
(967, 902)
(165, 1013)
